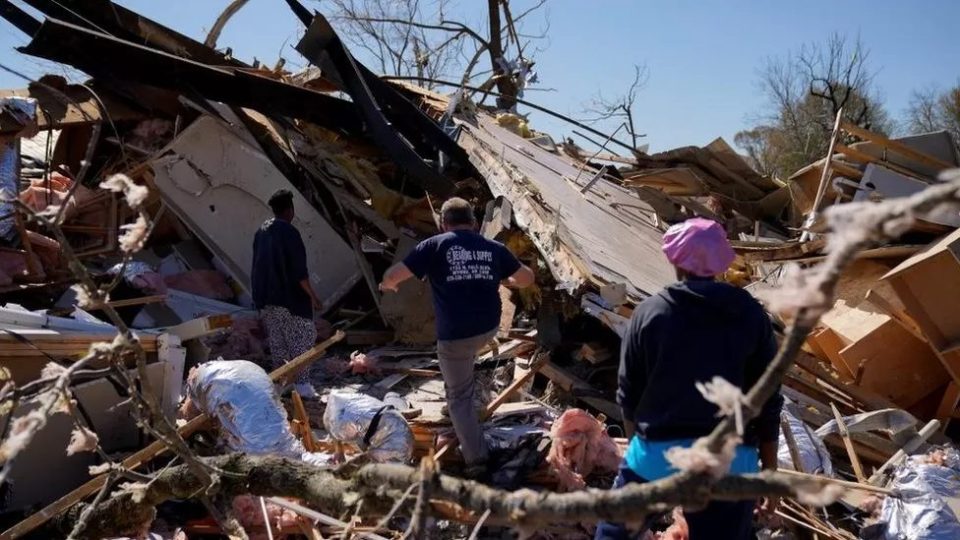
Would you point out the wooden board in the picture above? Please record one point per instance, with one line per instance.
(894, 363)
(831, 344)
(851, 323)
(929, 286)
(570, 383)
(895, 146)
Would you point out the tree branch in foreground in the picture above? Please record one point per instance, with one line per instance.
(130, 509)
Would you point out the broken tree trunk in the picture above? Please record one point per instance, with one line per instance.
(377, 486)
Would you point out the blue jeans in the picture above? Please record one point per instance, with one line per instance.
(718, 521)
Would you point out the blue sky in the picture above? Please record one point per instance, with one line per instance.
(703, 56)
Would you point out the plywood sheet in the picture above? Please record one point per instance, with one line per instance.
(930, 289)
(219, 184)
(892, 362)
(852, 324)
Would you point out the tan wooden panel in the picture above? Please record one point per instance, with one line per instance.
(894, 363)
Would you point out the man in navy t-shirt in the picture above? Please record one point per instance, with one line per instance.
(465, 272)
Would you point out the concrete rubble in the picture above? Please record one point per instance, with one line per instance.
(211, 138)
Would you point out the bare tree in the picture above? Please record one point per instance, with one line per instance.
(933, 110)
(805, 90)
(407, 38)
(410, 38)
(619, 108)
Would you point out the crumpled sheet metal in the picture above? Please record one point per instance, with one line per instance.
(241, 396)
(348, 416)
(922, 511)
(814, 456)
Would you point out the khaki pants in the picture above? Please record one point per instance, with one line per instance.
(457, 358)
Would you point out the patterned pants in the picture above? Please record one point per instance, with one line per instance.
(289, 336)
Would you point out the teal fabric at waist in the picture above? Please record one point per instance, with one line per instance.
(647, 459)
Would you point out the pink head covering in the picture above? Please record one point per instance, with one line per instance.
(698, 246)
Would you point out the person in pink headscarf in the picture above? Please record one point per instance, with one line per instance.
(689, 333)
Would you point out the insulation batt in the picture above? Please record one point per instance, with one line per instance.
(678, 530)
(206, 283)
(36, 196)
(348, 417)
(361, 364)
(244, 340)
(241, 396)
(927, 485)
(580, 446)
(248, 512)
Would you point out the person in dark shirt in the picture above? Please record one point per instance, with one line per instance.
(281, 288)
(689, 333)
(465, 272)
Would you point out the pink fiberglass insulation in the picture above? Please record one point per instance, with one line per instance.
(250, 515)
(244, 340)
(580, 447)
(206, 283)
(678, 530)
(13, 264)
(38, 197)
(361, 364)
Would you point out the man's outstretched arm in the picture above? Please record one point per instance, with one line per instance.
(521, 278)
(394, 276)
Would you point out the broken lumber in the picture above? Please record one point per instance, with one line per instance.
(154, 449)
(851, 453)
(573, 384)
(895, 146)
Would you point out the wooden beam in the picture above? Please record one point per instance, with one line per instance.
(838, 482)
(154, 449)
(948, 404)
(862, 157)
(791, 444)
(824, 177)
(845, 434)
(895, 146)
(301, 416)
(846, 170)
(571, 383)
(514, 386)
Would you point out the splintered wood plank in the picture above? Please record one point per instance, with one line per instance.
(896, 146)
(851, 453)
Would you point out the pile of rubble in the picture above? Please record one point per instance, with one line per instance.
(211, 138)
